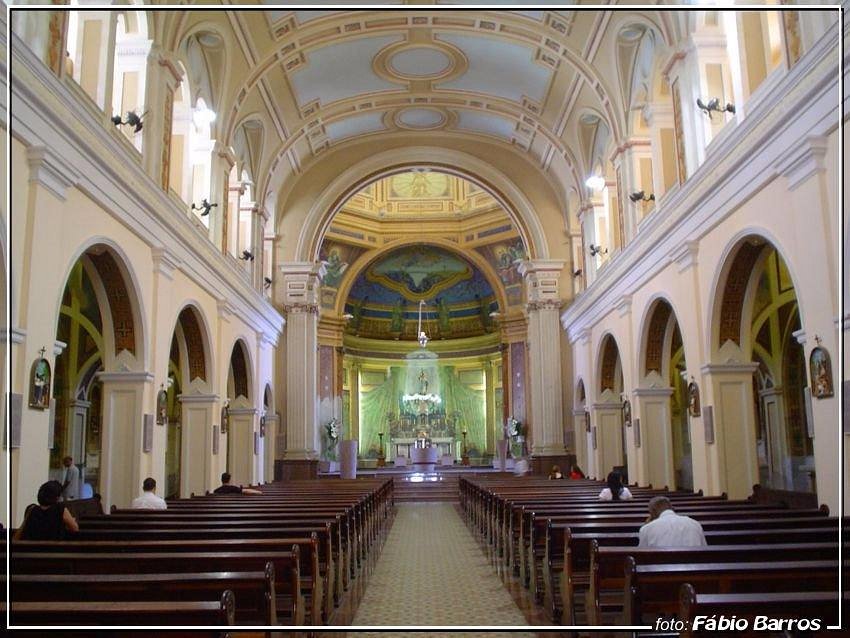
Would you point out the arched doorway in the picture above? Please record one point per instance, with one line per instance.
(610, 435)
(187, 376)
(758, 319)
(240, 429)
(97, 326)
(664, 401)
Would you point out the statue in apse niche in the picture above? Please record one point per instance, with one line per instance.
(397, 317)
(423, 383)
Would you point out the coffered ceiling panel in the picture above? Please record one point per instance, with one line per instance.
(498, 68)
(341, 71)
(486, 123)
(356, 125)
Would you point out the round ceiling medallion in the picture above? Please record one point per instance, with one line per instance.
(419, 62)
(420, 118)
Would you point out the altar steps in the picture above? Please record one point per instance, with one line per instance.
(438, 487)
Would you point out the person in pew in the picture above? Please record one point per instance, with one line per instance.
(50, 520)
(665, 528)
(575, 472)
(148, 500)
(227, 488)
(615, 491)
(555, 474)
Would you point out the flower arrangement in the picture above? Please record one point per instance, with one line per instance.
(332, 432)
(514, 428)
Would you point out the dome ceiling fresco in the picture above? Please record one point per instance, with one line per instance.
(384, 299)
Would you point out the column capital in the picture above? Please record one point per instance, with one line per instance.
(51, 171)
(803, 160)
(729, 368)
(685, 255)
(168, 62)
(301, 282)
(197, 398)
(58, 347)
(628, 144)
(126, 377)
(541, 282)
(164, 261)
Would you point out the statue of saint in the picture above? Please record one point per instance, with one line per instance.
(423, 383)
(397, 317)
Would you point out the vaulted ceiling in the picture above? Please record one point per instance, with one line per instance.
(550, 86)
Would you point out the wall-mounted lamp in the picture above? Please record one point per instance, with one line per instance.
(597, 250)
(577, 273)
(714, 105)
(205, 207)
(202, 117)
(640, 196)
(267, 283)
(247, 255)
(133, 119)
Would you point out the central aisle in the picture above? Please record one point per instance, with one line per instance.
(431, 571)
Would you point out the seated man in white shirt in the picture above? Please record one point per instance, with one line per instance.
(668, 529)
(149, 500)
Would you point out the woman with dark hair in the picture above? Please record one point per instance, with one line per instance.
(50, 520)
(615, 491)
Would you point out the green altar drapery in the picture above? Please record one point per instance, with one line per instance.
(469, 403)
(376, 403)
(374, 406)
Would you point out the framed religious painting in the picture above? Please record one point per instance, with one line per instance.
(820, 368)
(627, 412)
(40, 384)
(693, 398)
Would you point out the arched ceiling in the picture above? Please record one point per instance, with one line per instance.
(318, 79)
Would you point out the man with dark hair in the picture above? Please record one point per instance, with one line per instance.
(665, 528)
(227, 488)
(149, 500)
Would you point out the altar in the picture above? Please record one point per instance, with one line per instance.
(404, 446)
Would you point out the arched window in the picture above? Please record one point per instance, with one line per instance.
(88, 49)
(130, 69)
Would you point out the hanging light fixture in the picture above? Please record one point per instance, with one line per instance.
(423, 338)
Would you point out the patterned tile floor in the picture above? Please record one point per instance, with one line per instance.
(431, 571)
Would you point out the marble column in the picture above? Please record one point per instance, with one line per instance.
(354, 401)
(543, 305)
(493, 428)
(301, 282)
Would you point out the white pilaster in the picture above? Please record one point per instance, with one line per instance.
(301, 282)
(543, 308)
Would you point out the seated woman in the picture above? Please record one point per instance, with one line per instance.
(555, 473)
(615, 491)
(575, 472)
(50, 520)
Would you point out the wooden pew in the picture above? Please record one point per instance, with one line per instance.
(607, 566)
(797, 604)
(254, 592)
(145, 613)
(290, 603)
(654, 589)
(317, 568)
(575, 568)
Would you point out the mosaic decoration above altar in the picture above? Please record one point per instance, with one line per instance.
(419, 272)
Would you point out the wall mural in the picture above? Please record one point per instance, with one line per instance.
(384, 299)
(338, 257)
(504, 257)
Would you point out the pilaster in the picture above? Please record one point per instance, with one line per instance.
(163, 78)
(301, 282)
(544, 339)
